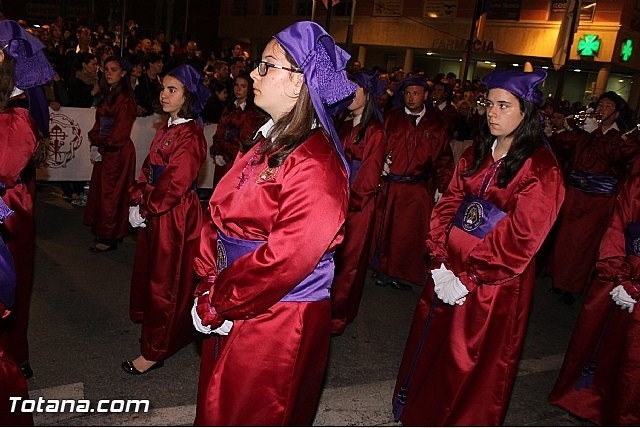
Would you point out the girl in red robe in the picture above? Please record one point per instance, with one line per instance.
(239, 122)
(164, 202)
(266, 250)
(114, 159)
(601, 370)
(364, 142)
(462, 354)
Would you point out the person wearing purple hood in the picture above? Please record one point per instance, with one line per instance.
(462, 354)
(267, 245)
(164, 202)
(365, 144)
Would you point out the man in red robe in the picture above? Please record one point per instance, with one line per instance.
(419, 153)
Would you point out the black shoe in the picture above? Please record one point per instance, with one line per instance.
(380, 283)
(25, 368)
(555, 290)
(129, 368)
(567, 298)
(397, 285)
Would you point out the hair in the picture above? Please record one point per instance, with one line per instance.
(150, 58)
(527, 137)
(368, 114)
(190, 100)
(292, 129)
(625, 114)
(7, 80)
(84, 58)
(124, 85)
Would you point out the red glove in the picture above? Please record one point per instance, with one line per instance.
(469, 280)
(208, 313)
(632, 288)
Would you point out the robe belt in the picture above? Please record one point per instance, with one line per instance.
(354, 167)
(632, 239)
(407, 178)
(105, 125)
(314, 288)
(593, 183)
(156, 171)
(477, 216)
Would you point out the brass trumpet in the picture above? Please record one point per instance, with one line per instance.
(581, 117)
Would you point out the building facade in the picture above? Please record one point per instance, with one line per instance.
(433, 35)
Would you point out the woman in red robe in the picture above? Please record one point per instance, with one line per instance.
(239, 122)
(266, 250)
(462, 354)
(364, 142)
(164, 202)
(601, 370)
(114, 159)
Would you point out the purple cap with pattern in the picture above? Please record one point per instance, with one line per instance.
(522, 84)
(32, 66)
(370, 82)
(322, 63)
(193, 82)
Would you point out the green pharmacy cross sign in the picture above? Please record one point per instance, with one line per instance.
(589, 45)
(627, 50)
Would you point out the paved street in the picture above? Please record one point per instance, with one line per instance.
(80, 332)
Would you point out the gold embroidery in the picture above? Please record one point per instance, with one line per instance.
(268, 174)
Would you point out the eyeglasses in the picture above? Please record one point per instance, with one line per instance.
(263, 67)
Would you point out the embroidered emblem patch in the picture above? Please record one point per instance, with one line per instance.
(268, 174)
(636, 246)
(472, 216)
(166, 143)
(221, 260)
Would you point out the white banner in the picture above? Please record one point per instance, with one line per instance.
(68, 150)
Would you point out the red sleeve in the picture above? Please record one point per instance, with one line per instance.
(612, 261)
(365, 185)
(443, 161)
(178, 177)
(306, 225)
(137, 190)
(94, 134)
(19, 143)
(507, 250)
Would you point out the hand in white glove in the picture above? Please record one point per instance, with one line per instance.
(448, 287)
(219, 160)
(437, 196)
(197, 322)
(95, 155)
(224, 329)
(135, 219)
(621, 298)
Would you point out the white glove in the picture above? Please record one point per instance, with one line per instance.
(621, 298)
(224, 329)
(386, 169)
(437, 196)
(195, 318)
(219, 160)
(95, 155)
(448, 287)
(135, 219)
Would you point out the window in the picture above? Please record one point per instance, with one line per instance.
(239, 7)
(343, 8)
(303, 7)
(271, 7)
(587, 10)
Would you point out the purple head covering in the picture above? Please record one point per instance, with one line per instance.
(522, 84)
(322, 63)
(398, 95)
(32, 67)
(193, 82)
(7, 270)
(370, 82)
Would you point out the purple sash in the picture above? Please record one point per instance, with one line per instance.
(632, 239)
(313, 288)
(105, 125)
(477, 216)
(422, 177)
(354, 165)
(593, 183)
(156, 171)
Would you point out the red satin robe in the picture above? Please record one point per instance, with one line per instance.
(270, 367)
(606, 334)
(107, 210)
(403, 209)
(352, 258)
(18, 143)
(235, 126)
(584, 216)
(12, 384)
(468, 364)
(163, 278)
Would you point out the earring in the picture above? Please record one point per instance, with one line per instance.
(296, 92)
